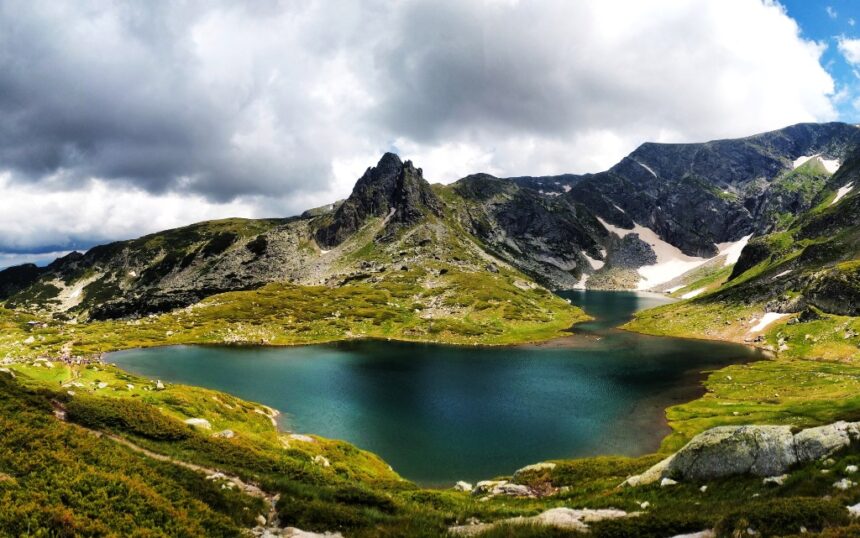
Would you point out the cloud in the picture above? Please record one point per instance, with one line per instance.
(850, 49)
(34, 219)
(273, 107)
(831, 12)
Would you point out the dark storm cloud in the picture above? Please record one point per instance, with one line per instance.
(156, 113)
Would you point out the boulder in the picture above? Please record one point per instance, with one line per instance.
(733, 450)
(766, 451)
(813, 444)
(199, 423)
(776, 480)
(463, 486)
(501, 487)
(568, 518)
(521, 474)
(512, 490)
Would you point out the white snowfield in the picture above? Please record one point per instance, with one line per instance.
(595, 264)
(766, 320)
(842, 192)
(831, 165)
(671, 262)
(691, 294)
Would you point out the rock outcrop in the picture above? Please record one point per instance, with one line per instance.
(392, 189)
(766, 451)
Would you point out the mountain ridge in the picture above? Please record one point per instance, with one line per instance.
(685, 200)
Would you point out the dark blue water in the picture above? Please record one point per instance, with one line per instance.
(439, 414)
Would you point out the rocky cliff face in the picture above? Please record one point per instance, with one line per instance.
(392, 189)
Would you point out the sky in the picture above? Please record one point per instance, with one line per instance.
(125, 118)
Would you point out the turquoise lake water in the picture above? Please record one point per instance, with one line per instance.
(439, 414)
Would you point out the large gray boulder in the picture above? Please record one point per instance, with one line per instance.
(733, 450)
(824, 441)
(767, 451)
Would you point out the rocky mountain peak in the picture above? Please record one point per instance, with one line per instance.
(393, 189)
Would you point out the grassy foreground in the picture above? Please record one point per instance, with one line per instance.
(57, 478)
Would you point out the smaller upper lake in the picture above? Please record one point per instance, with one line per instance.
(439, 414)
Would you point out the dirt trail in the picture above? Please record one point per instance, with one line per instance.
(211, 474)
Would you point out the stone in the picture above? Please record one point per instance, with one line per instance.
(301, 437)
(512, 490)
(777, 480)
(292, 532)
(568, 518)
(734, 450)
(319, 459)
(854, 510)
(667, 482)
(224, 434)
(652, 475)
(261, 520)
(534, 468)
(463, 486)
(487, 486)
(817, 443)
(844, 484)
(850, 469)
(159, 385)
(199, 423)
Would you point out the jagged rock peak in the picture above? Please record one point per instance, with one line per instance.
(393, 189)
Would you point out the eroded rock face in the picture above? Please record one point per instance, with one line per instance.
(767, 451)
(391, 189)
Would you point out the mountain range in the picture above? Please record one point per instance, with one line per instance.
(662, 214)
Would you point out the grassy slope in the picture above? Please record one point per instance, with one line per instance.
(67, 482)
(490, 310)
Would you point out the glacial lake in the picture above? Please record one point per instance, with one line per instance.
(439, 414)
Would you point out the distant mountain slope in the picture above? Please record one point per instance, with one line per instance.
(797, 289)
(662, 214)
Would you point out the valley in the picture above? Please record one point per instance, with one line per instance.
(757, 240)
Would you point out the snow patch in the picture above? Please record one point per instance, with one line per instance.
(618, 208)
(691, 294)
(766, 320)
(671, 262)
(732, 251)
(595, 264)
(566, 188)
(781, 274)
(831, 165)
(646, 167)
(674, 289)
(842, 192)
(800, 160)
(581, 284)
